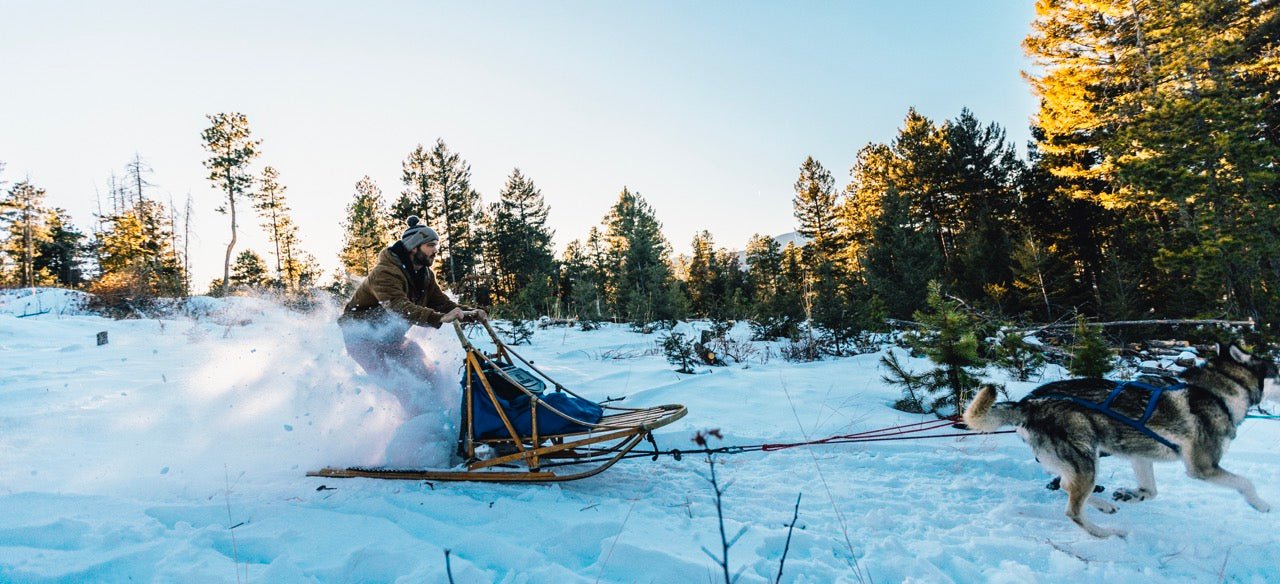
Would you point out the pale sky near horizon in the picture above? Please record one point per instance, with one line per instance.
(707, 109)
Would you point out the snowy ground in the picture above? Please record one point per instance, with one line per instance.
(176, 452)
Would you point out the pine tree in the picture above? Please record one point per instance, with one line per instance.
(64, 253)
(704, 282)
(584, 277)
(518, 246)
(731, 282)
(764, 264)
(920, 159)
(1074, 231)
(231, 150)
(948, 336)
(456, 206)
(900, 259)
(365, 231)
(1040, 276)
(782, 312)
(121, 244)
(162, 270)
(24, 218)
(136, 258)
(816, 207)
(679, 351)
(136, 246)
(250, 271)
(869, 179)
(1090, 354)
(982, 173)
(274, 211)
(640, 279)
(415, 199)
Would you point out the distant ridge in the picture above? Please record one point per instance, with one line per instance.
(783, 240)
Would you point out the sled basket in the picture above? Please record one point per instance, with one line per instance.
(520, 425)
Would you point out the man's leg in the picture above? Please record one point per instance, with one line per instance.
(369, 353)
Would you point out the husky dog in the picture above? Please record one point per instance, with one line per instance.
(1067, 426)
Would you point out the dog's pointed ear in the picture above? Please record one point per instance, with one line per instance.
(1239, 355)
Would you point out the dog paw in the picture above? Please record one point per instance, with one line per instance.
(1261, 505)
(1129, 495)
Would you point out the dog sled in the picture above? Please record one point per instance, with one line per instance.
(520, 425)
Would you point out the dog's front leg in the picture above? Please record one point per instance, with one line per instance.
(1211, 472)
(1145, 472)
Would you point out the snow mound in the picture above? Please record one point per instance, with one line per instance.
(28, 302)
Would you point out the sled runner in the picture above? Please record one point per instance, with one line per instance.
(514, 430)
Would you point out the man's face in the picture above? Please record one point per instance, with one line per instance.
(424, 254)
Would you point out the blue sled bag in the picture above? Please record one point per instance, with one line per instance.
(516, 404)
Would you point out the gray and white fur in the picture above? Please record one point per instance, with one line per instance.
(1201, 420)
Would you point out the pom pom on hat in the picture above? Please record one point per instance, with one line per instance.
(417, 234)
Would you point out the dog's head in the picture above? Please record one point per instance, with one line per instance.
(1263, 370)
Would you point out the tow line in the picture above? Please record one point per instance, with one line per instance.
(902, 432)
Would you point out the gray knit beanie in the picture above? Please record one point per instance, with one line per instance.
(417, 234)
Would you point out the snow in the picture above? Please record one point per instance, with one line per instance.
(177, 452)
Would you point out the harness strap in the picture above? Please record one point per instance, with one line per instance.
(1139, 424)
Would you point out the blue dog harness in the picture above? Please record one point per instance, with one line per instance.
(1139, 424)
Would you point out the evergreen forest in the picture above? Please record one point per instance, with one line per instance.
(1149, 191)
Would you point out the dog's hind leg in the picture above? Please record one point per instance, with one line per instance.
(1209, 471)
(1146, 475)
(1078, 483)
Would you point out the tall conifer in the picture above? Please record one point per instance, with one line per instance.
(365, 231)
(231, 149)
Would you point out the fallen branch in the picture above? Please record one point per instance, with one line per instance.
(1120, 323)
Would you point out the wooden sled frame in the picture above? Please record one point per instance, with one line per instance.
(533, 458)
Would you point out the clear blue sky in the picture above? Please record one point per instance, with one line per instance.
(706, 108)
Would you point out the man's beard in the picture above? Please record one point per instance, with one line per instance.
(421, 258)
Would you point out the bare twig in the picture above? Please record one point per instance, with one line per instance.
(725, 541)
(787, 546)
(235, 552)
(1064, 550)
(703, 439)
(448, 568)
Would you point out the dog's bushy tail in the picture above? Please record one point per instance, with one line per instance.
(985, 415)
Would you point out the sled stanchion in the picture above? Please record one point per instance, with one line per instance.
(488, 389)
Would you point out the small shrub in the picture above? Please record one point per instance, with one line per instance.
(950, 340)
(801, 350)
(1021, 359)
(520, 332)
(774, 327)
(1090, 354)
(679, 351)
(912, 385)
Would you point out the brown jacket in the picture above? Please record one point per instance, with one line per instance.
(393, 287)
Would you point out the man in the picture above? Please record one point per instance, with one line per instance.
(400, 292)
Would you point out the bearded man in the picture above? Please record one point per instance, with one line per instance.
(400, 292)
